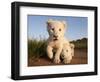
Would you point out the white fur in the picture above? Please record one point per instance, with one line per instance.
(67, 53)
(56, 30)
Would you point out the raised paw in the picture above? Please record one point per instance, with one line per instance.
(50, 56)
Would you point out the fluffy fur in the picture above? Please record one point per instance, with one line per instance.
(67, 53)
(56, 40)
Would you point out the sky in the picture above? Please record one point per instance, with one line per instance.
(77, 26)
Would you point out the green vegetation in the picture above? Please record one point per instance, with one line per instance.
(36, 48)
(80, 43)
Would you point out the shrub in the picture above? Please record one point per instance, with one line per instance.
(80, 43)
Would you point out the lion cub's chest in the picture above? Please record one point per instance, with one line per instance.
(55, 44)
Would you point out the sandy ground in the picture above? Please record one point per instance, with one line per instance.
(80, 57)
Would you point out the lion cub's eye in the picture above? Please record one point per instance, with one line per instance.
(59, 29)
(66, 50)
(63, 56)
(52, 29)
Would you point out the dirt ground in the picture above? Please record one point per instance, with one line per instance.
(80, 57)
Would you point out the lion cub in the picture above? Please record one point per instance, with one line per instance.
(67, 53)
(56, 40)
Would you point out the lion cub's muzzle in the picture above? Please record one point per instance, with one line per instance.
(55, 37)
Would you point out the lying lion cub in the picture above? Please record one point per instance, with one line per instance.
(67, 53)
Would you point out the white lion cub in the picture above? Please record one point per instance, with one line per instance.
(56, 30)
(67, 53)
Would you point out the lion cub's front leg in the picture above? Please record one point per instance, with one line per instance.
(49, 52)
(57, 55)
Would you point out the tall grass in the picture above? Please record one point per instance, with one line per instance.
(36, 48)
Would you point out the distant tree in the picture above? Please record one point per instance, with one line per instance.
(80, 43)
(84, 39)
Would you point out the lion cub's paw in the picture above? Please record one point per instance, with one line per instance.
(66, 61)
(57, 60)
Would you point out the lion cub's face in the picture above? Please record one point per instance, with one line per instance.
(68, 51)
(56, 29)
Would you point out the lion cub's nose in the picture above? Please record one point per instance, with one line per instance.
(55, 36)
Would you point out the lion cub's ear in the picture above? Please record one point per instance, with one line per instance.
(64, 23)
(49, 21)
(72, 46)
